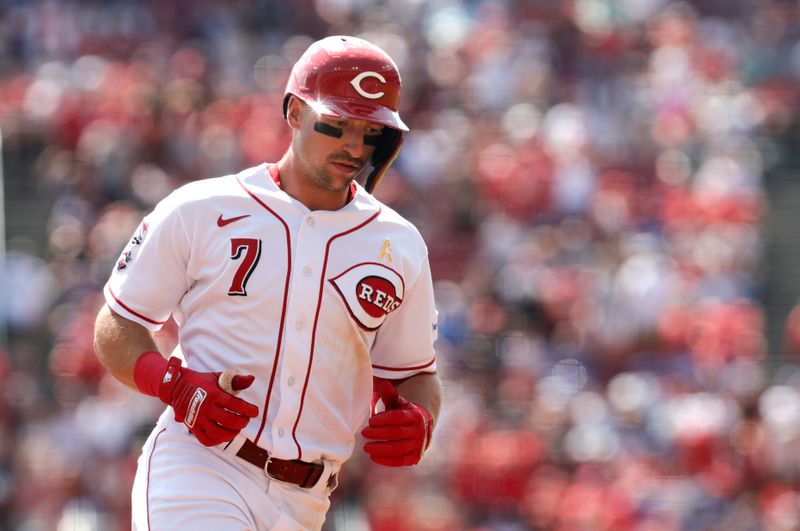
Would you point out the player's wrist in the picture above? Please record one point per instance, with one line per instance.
(149, 373)
(427, 420)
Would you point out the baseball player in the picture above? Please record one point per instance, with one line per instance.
(297, 295)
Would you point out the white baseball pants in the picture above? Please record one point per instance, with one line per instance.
(181, 485)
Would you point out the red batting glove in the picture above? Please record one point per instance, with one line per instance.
(211, 414)
(402, 432)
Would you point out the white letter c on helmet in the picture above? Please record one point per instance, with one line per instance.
(356, 82)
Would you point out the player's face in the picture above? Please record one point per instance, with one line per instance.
(334, 150)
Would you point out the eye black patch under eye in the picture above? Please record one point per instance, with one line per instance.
(329, 130)
(371, 140)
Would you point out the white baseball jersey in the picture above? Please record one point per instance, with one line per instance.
(312, 303)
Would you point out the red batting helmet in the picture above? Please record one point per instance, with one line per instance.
(351, 78)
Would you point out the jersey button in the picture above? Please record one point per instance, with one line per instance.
(307, 271)
(298, 325)
(310, 222)
(290, 381)
(280, 432)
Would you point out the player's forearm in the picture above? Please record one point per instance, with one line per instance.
(118, 343)
(425, 390)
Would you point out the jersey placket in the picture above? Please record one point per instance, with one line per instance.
(294, 362)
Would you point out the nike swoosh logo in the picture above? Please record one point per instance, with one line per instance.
(222, 222)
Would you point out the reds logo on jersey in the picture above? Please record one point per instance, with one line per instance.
(370, 291)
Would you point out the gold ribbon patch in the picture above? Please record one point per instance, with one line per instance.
(386, 250)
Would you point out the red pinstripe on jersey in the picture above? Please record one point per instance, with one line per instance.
(283, 310)
(316, 320)
(147, 487)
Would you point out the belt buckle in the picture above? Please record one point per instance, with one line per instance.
(266, 467)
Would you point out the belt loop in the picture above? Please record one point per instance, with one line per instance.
(328, 475)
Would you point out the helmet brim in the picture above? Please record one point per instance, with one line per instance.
(348, 109)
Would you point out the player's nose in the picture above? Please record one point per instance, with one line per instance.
(354, 144)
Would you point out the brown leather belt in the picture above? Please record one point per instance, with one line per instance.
(296, 472)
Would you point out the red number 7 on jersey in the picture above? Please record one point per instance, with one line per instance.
(251, 248)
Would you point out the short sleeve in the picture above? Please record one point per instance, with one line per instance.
(404, 345)
(150, 277)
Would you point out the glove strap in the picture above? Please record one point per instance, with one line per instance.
(169, 380)
(149, 371)
(156, 376)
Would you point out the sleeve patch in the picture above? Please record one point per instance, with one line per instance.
(128, 253)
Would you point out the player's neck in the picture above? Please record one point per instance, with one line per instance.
(294, 182)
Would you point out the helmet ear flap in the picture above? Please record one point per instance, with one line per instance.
(386, 150)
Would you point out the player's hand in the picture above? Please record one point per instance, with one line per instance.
(212, 413)
(401, 433)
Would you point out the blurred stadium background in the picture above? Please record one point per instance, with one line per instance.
(609, 192)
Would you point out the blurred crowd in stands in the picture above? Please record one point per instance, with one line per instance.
(589, 177)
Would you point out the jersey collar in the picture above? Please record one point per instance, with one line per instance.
(260, 182)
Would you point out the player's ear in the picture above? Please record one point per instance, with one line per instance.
(295, 112)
